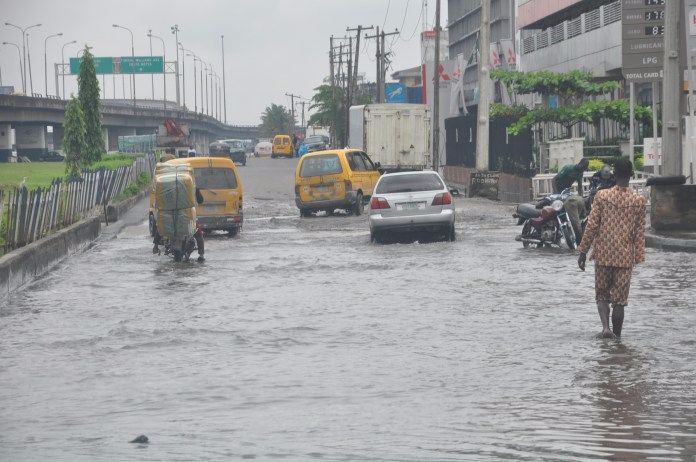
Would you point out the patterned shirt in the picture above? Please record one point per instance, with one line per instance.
(616, 228)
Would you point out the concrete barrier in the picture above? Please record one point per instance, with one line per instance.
(673, 208)
(24, 265)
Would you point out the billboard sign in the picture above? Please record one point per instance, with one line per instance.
(642, 30)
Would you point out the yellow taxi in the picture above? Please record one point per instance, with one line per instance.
(334, 179)
(217, 178)
(282, 146)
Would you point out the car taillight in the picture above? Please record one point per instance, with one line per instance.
(349, 185)
(297, 190)
(442, 199)
(377, 203)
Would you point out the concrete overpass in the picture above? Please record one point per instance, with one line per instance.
(30, 116)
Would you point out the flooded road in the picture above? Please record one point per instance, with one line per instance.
(301, 340)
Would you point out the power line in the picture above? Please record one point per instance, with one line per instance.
(405, 13)
(415, 28)
(386, 15)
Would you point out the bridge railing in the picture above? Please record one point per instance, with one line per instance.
(30, 215)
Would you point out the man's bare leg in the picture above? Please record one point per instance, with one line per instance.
(603, 309)
(617, 317)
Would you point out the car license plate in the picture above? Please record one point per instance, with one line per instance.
(410, 206)
(323, 188)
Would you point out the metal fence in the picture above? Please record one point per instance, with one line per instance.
(542, 184)
(31, 215)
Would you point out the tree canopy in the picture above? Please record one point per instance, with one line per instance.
(572, 88)
(74, 138)
(575, 83)
(276, 119)
(88, 95)
(327, 104)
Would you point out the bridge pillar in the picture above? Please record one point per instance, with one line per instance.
(105, 136)
(113, 133)
(31, 141)
(6, 142)
(58, 135)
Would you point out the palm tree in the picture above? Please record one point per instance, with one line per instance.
(276, 119)
(327, 104)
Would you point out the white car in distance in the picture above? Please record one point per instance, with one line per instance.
(411, 202)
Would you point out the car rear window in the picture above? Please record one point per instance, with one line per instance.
(409, 183)
(314, 139)
(326, 164)
(215, 178)
(278, 141)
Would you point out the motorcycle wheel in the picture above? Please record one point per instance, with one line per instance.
(526, 229)
(569, 236)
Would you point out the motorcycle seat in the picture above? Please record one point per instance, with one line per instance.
(528, 211)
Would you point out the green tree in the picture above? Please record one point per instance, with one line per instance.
(277, 119)
(571, 88)
(88, 94)
(327, 104)
(74, 138)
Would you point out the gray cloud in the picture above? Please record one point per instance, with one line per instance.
(272, 46)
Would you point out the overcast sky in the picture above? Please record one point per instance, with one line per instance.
(272, 47)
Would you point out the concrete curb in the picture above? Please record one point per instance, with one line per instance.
(24, 265)
(669, 243)
(114, 211)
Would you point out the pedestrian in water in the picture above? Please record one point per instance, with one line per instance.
(570, 174)
(616, 232)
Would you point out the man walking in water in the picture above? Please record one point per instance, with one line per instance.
(616, 228)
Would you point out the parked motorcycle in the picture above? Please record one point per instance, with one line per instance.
(547, 222)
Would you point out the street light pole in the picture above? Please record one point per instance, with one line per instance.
(183, 70)
(132, 55)
(24, 51)
(19, 53)
(59, 34)
(62, 61)
(152, 76)
(200, 61)
(175, 31)
(206, 89)
(224, 83)
(164, 66)
(195, 90)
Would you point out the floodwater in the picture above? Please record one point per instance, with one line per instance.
(301, 340)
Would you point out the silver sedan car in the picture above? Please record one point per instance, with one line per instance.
(411, 202)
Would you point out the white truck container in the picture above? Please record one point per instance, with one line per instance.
(395, 135)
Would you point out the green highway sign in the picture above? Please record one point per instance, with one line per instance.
(142, 65)
(103, 65)
(122, 65)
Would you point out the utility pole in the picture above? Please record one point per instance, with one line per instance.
(349, 87)
(332, 129)
(303, 103)
(358, 31)
(436, 92)
(292, 107)
(484, 87)
(671, 91)
(381, 56)
(378, 57)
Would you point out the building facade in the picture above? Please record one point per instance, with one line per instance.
(464, 25)
(563, 35)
